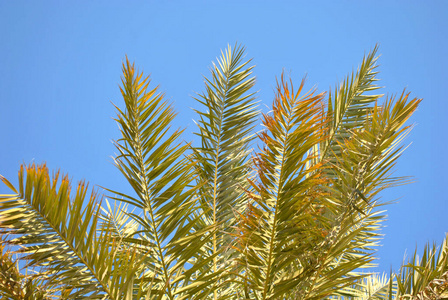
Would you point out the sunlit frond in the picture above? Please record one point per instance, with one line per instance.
(299, 218)
(372, 287)
(363, 169)
(425, 277)
(280, 221)
(225, 131)
(349, 106)
(56, 231)
(16, 286)
(153, 162)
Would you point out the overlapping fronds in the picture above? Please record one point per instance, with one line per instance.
(346, 248)
(420, 278)
(362, 170)
(297, 219)
(372, 287)
(358, 145)
(349, 105)
(280, 221)
(376, 287)
(57, 235)
(364, 166)
(425, 277)
(15, 285)
(351, 222)
(118, 221)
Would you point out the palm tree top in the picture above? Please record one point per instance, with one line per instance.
(289, 212)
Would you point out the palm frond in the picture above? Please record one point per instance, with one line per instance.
(279, 224)
(349, 105)
(153, 162)
(300, 219)
(222, 159)
(15, 285)
(362, 169)
(372, 287)
(425, 277)
(118, 222)
(365, 166)
(57, 235)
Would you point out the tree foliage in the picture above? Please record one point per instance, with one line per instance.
(290, 212)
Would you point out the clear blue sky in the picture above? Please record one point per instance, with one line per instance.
(60, 66)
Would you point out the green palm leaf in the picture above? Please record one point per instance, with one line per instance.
(425, 277)
(279, 223)
(153, 162)
(57, 234)
(16, 286)
(222, 159)
(350, 105)
(372, 287)
(362, 170)
(298, 220)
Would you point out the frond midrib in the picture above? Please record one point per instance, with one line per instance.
(215, 180)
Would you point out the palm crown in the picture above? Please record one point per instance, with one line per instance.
(297, 218)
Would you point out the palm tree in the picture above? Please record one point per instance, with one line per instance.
(299, 217)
